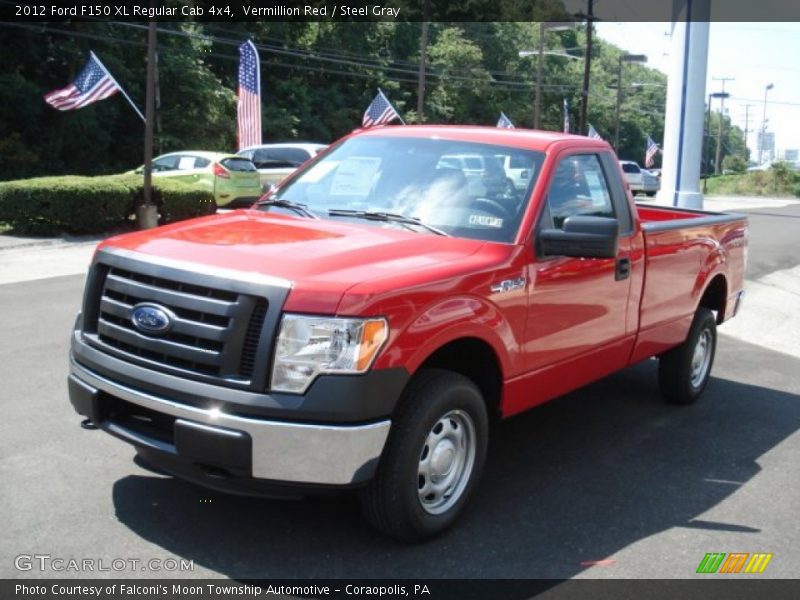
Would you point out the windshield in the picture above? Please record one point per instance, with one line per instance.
(459, 188)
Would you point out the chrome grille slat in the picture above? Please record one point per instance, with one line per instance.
(194, 354)
(180, 325)
(145, 291)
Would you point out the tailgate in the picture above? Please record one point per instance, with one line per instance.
(684, 250)
(242, 172)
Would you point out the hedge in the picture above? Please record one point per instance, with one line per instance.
(80, 205)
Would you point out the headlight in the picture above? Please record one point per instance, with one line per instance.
(308, 346)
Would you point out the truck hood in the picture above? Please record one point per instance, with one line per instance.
(321, 258)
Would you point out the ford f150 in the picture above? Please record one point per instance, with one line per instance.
(366, 322)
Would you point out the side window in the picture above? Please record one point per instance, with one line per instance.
(167, 163)
(201, 163)
(579, 187)
(295, 155)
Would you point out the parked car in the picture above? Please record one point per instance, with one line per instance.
(519, 171)
(276, 161)
(233, 179)
(364, 325)
(639, 180)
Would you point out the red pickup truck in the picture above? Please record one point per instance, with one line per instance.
(366, 322)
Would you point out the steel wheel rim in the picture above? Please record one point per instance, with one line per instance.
(701, 359)
(446, 462)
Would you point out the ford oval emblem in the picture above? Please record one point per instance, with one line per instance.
(151, 318)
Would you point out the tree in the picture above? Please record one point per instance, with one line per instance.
(734, 163)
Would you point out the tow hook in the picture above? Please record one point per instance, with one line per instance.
(88, 424)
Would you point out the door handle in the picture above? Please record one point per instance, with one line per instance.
(623, 270)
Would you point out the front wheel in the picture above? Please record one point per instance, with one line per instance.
(684, 371)
(433, 458)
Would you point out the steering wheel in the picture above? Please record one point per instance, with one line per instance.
(492, 207)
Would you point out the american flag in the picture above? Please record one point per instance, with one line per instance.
(504, 122)
(92, 84)
(566, 116)
(379, 111)
(650, 152)
(592, 133)
(249, 104)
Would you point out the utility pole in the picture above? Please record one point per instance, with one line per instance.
(157, 144)
(746, 127)
(423, 59)
(717, 166)
(763, 135)
(640, 58)
(537, 103)
(587, 68)
(147, 212)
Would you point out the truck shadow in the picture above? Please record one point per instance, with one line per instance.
(577, 479)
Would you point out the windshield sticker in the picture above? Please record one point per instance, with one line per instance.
(355, 176)
(595, 188)
(486, 221)
(318, 171)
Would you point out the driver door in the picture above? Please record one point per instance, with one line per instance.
(576, 327)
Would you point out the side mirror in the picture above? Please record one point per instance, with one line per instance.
(582, 237)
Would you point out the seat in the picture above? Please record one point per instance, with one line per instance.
(447, 187)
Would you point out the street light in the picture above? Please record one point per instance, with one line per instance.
(764, 124)
(640, 58)
(543, 27)
(722, 96)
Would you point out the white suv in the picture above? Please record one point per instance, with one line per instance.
(276, 161)
(639, 180)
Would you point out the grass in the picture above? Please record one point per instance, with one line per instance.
(777, 181)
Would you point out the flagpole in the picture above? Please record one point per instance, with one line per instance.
(258, 87)
(121, 89)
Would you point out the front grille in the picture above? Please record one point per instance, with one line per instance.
(215, 333)
(253, 334)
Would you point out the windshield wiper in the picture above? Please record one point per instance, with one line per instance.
(300, 209)
(386, 217)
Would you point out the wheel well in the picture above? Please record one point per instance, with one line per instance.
(475, 360)
(715, 296)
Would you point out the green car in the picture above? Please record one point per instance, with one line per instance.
(233, 179)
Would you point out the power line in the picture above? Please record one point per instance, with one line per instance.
(297, 53)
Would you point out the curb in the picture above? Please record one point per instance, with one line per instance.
(7, 245)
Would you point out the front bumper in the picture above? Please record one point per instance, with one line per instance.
(228, 446)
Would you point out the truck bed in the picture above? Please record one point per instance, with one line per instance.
(685, 248)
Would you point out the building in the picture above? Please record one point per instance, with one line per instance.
(766, 146)
(791, 155)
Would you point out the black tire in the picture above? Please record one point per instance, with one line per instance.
(392, 501)
(682, 377)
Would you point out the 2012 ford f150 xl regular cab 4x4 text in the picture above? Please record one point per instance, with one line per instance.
(365, 323)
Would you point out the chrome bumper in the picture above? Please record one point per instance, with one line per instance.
(281, 451)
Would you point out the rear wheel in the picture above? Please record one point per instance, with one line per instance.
(684, 371)
(433, 459)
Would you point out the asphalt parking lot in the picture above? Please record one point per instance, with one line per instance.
(606, 482)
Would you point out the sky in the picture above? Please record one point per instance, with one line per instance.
(754, 54)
